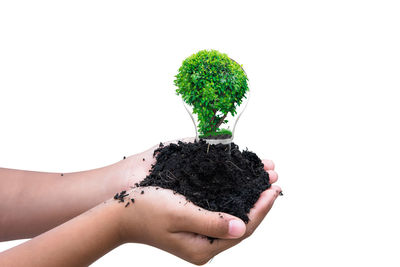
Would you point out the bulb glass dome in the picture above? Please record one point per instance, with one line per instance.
(214, 89)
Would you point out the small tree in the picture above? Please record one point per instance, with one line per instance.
(214, 85)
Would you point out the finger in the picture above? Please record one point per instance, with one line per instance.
(185, 140)
(194, 248)
(214, 224)
(149, 152)
(268, 164)
(273, 176)
(263, 205)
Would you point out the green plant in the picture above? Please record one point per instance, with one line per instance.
(214, 85)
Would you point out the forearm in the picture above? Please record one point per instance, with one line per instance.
(34, 202)
(78, 242)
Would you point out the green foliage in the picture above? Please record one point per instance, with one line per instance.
(214, 85)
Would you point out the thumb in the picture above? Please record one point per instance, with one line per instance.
(212, 224)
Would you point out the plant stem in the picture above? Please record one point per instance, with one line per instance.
(220, 122)
(215, 114)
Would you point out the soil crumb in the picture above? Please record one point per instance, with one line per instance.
(213, 177)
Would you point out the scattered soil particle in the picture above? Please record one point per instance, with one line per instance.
(143, 159)
(142, 192)
(133, 200)
(62, 174)
(121, 196)
(124, 157)
(127, 204)
(210, 176)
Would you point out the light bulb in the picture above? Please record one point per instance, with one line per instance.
(228, 127)
(215, 92)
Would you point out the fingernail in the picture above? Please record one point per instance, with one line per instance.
(236, 228)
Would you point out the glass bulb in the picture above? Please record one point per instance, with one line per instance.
(225, 132)
(214, 89)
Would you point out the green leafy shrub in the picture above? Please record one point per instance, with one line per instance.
(214, 85)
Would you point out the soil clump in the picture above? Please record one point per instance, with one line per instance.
(214, 177)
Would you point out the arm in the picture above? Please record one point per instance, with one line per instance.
(34, 202)
(77, 242)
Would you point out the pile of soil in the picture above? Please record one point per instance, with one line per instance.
(215, 177)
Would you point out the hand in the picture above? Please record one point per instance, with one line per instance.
(167, 221)
(136, 167)
(158, 217)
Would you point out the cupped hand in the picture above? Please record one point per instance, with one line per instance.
(165, 220)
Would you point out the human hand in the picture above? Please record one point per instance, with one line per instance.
(165, 220)
(136, 167)
(157, 217)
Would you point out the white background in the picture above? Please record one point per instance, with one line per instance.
(83, 83)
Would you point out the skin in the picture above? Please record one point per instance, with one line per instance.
(72, 225)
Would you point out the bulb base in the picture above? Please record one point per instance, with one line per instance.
(210, 141)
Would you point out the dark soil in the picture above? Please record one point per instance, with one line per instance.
(214, 177)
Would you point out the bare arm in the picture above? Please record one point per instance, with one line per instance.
(34, 202)
(77, 242)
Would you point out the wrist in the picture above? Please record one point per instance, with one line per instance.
(122, 174)
(109, 214)
(126, 221)
(131, 170)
